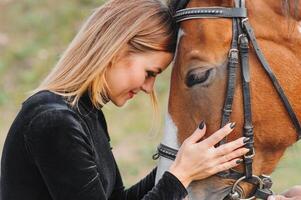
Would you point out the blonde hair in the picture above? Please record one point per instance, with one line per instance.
(138, 26)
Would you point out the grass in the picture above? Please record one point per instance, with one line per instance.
(35, 33)
(288, 171)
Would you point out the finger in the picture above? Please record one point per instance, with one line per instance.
(227, 165)
(277, 197)
(235, 154)
(219, 135)
(292, 192)
(229, 147)
(198, 133)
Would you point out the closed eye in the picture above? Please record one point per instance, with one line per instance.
(150, 74)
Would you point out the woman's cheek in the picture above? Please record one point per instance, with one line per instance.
(138, 81)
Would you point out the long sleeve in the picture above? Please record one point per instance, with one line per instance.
(63, 155)
(55, 152)
(168, 188)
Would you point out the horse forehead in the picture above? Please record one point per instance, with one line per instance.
(205, 35)
(202, 27)
(299, 27)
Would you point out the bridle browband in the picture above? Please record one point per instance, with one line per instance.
(242, 33)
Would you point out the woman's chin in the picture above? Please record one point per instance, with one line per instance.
(119, 103)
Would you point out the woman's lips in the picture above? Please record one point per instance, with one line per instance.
(131, 94)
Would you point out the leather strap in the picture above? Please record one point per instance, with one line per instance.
(210, 12)
(232, 66)
(272, 77)
(248, 127)
(263, 193)
(166, 152)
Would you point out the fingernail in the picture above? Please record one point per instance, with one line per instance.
(232, 125)
(202, 124)
(271, 198)
(239, 161)
(246, 140)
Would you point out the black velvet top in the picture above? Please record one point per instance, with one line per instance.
(53, 151)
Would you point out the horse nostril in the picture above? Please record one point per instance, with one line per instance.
(197, 76)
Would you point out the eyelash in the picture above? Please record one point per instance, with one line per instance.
(150, 74)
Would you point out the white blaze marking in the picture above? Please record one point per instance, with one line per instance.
(180, 34)
(170, 131)
(169, 139)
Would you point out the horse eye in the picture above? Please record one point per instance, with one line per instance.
(194, 77)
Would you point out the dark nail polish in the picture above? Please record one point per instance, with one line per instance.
(239, 161)
(247, 139)
(232, 125)
(202, 124)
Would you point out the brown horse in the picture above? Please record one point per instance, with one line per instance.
(203, 46)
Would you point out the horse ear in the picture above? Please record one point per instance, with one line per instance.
(175, 5)
(182, 4)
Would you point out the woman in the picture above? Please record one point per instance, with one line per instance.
(58, 146)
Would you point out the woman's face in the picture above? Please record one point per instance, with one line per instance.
(133, 73)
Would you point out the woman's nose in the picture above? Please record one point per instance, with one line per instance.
(148, 85)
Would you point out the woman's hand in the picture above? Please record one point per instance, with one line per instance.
(293, 193)
(198, 160)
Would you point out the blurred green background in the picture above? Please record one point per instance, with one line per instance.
(33, 33)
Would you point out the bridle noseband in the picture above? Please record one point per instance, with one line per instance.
(239, 51)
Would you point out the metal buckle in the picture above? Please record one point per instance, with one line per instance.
(235, 186)
(252, 155)
(227, 112)
(244, 20)
(240, 36)
(156, 156)
(267, 180)
(233, 51)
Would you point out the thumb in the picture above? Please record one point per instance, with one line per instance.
(198, 133)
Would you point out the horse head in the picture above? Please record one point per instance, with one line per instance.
(199, 84)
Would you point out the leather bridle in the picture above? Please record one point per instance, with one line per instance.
(239, 51)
